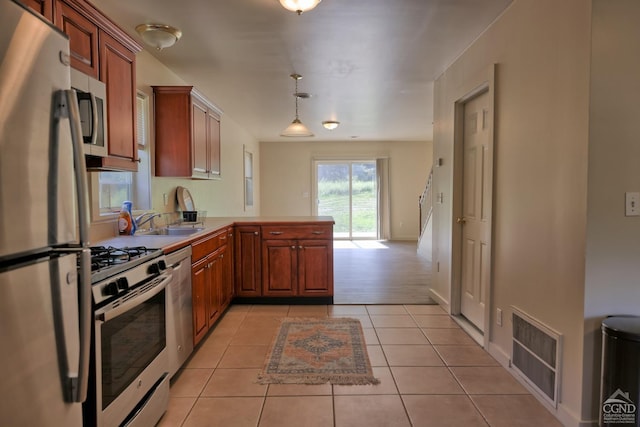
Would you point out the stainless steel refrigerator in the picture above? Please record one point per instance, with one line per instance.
(44, 263)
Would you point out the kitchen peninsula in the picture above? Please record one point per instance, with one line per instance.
(277, 260)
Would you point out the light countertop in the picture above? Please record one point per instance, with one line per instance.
(211, 225)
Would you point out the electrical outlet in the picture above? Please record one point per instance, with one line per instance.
(165, 198)
(499, 316)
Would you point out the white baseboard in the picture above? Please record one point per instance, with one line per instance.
(440, 300)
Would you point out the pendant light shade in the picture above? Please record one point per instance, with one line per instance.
(296, 128)
(299, 6)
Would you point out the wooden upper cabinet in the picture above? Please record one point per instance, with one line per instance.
(83, 38)
(102, 50)
(199, 140)
(118, 72)
(43, 7)
(187, 133)
(213, 122)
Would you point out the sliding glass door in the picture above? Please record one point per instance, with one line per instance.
(348, 191)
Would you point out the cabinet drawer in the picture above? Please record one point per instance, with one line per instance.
(204, 247)
(297, 232)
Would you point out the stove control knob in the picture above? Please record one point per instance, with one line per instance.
(154, 269)
(110, 289)
(162, 265)
(123, 283)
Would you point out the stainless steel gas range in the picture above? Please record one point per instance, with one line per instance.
(130, 381)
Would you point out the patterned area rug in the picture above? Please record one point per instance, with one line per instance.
(316, 351)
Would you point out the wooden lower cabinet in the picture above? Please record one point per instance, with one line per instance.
(247, 262)
(297, 268)
(199, 284)
(280, 268)
(209, 281)
(227, 285)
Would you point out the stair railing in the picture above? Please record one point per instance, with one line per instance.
(425, 204)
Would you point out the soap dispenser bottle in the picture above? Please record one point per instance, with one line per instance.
(126, 225)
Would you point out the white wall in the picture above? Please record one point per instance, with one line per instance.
(541, 48)
(286, 176)
(224, 197)
(612, 285)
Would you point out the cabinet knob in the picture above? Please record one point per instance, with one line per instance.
(300, 247)
(256, 233)
(293, 246)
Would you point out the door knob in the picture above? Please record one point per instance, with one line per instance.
(461, 220)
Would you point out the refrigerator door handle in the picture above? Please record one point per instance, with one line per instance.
(79, 165)
(67, 107)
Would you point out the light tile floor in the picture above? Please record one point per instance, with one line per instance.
(432, 374)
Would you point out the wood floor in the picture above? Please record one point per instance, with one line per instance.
(372, 272)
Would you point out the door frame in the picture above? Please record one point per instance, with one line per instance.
(488, 87)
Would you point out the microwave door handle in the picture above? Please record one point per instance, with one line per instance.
(67, 107)
(94, 119)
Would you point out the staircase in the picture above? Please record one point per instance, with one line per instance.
(426, 226)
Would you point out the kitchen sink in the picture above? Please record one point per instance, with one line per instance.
(171, 231)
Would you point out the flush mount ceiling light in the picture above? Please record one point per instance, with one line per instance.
(158, 35)
(299, 6)
(296, 128)
(330, 124)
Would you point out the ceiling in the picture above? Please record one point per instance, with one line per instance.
(369, 64)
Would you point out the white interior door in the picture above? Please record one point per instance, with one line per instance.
(476, 209)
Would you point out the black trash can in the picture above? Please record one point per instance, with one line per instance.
(620, 387)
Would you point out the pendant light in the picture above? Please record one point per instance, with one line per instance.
(299, 6)
(296, 128)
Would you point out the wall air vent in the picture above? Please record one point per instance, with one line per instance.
(536, 355)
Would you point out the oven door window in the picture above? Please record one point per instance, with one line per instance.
(130, 342)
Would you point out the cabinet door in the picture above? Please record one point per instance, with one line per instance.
(247, 261)
(117, 71)
(280, 267)
(199, 144)
(83, 38)
(172, 108)
(214, 287)
(315, 267)
(199, 279)
(227, 270)
(43, 7)
(214, 144)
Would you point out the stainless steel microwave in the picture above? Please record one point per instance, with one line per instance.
(92, 103)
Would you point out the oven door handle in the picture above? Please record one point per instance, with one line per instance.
(123, 308)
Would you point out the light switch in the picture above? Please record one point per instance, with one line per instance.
(631, 204)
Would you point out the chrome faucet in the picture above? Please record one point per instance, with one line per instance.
(140, 221)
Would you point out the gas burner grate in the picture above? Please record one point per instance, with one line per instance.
(106, 256)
